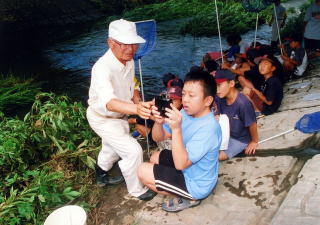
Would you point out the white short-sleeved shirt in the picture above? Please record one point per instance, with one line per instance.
(110, 79)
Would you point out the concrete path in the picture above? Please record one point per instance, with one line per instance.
(249, 192)
(302, 204)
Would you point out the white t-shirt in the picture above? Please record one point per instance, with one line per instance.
(110, 79)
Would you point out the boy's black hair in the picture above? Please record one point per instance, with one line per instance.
(266, 50)
(237, 38)
(177, 82)
(296, 37)
(231, 39)
(211, 65)
(208, 82)
(167, 77)
(252, 54)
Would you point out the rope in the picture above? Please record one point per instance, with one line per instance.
(142, 93)
(215, 2)
(276, 17)
(255, 34)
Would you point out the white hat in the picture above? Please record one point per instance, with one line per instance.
(125, 32)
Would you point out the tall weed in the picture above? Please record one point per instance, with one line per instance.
(16, 93)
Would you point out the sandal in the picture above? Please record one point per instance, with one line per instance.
(179, 204)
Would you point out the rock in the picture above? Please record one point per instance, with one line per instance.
(249, 191)
(301, 205)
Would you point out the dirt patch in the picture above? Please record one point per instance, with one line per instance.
(115, 205)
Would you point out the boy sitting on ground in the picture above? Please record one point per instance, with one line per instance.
(268, 100)
(241, 114)
(190, 170)
(294, 58)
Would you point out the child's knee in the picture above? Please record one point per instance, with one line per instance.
(155, 157)
(142, 171)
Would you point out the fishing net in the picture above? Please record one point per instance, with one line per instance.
(147, 30)
(255, 5)
(309, 123)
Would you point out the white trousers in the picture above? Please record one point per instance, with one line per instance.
(118, 143)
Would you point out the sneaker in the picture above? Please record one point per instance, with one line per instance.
(103, 178)
(148, 195)
(135, 134)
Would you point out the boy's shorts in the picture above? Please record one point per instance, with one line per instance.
(235, 147)
(168, 178)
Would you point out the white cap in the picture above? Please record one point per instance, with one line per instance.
(125, 32)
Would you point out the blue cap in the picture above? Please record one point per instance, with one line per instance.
(224, 75)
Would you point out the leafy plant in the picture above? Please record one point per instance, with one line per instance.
(45, 160)
(37, 192)
(60, 127)
(16, 93)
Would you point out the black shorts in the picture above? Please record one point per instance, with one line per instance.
(168, 178)
(311, 44)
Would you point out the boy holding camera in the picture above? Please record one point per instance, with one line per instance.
(190, 169)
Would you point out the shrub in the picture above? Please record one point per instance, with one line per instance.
(16, 93)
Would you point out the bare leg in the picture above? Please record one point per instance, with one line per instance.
(154, 159)
(142, 130)
(146, 176)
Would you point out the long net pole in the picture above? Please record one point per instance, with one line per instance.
(255, 34)
(142, 93)
(218, 24)
(278, 29)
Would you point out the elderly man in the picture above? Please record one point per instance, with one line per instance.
(110, 100)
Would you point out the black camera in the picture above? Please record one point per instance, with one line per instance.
(162, 102)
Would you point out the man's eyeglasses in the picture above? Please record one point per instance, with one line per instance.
(124, 46)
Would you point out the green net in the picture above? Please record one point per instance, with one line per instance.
(255, 5)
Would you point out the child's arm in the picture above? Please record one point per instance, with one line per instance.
(261, 96)
(253, 144)
(179, 152)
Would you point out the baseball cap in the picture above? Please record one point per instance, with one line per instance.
(125, 32)
(265, 57)
(224, 75)
(175, 92)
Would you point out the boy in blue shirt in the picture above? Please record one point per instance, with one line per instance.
(190, 169)
(241, 114)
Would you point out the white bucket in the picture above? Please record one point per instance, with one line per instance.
(67, 215)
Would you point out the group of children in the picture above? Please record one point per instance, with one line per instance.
(214, 114)
(187, 171)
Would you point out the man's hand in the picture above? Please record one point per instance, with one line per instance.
(144, 109)
(174, 117)
(251, 148)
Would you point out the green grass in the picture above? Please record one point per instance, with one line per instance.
(233, 17)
